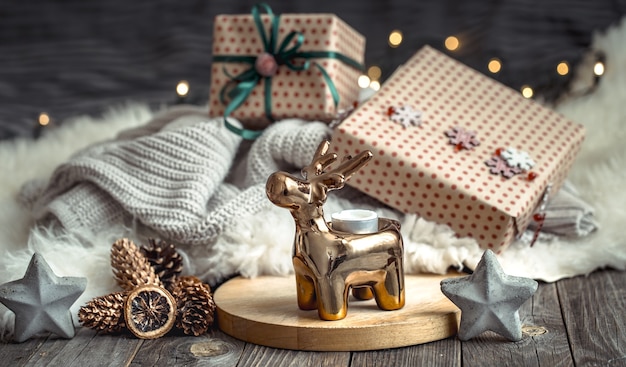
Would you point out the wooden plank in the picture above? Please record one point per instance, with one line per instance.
(260, 356)
(544, 340)
(18, 354)
(444, 353)
(264, 311)
(213, 349)
(542, 326)
(594, 309)
(87, 348)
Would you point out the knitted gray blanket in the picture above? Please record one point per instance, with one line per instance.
(179, 180)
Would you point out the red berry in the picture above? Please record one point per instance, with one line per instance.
(499, 151)
(390, 111)
(539, 217)
(458, 147)
(532, 176)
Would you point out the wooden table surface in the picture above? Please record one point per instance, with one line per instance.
(573, 322)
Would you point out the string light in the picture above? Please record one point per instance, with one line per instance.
(374, 72)
(395, 38)
(598, 68)
(42, 122)
(44, 119)
(375, 84)
(562, 68)
(494, 65)
(527, 91)
(452, 43)
(182, 88)
(364, 81)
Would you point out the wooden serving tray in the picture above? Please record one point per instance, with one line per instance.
(264, 311)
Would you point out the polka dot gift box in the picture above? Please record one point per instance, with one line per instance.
(456, 147)
(268, 67)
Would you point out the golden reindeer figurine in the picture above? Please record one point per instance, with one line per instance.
(329, 262)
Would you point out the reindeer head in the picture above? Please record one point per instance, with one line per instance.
(290, 192)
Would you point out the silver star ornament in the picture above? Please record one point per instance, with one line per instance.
(489, 299)
(41, 300)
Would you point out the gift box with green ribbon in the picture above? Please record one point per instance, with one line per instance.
(268, 67)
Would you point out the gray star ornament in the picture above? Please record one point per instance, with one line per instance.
(489, 299)
(41, 300)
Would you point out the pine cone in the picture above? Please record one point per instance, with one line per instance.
(195, 305)
(104, 313)
(165, 260)
(130, 268)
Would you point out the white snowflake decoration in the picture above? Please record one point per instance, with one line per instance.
(407, 116)
(517, 158)
(462, 138)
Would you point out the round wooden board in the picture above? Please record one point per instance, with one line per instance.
(264, 311)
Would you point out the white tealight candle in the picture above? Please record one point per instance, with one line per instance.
(359, 221)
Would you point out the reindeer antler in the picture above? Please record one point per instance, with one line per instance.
(320, 161)
(350, 165)
(336, 177)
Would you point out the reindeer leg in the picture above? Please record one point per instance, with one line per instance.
(332, 298)
(389, 292)
(362, 293)
(305, 286)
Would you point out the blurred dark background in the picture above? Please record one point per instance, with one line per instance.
(76, 57)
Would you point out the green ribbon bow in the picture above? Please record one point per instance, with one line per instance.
(284, 55)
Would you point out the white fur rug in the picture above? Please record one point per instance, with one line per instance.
(252, 248)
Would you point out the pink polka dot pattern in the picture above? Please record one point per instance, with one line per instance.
(416, 170)
(301, 94)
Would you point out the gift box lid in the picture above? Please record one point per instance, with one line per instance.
(451, 105)
(237, 34)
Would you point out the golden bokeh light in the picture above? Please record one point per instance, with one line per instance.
(395, 38)
(182, 88)
(494, 65)
(527, 91)
(452, 43)
(562, 68)
(363, 81)
(44, 119)
(374, 72)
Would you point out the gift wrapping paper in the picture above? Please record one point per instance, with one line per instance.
(303, 94)
(416, 168)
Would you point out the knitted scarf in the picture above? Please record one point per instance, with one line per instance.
(175, 176)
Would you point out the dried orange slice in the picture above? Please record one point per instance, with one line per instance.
(149, 312)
